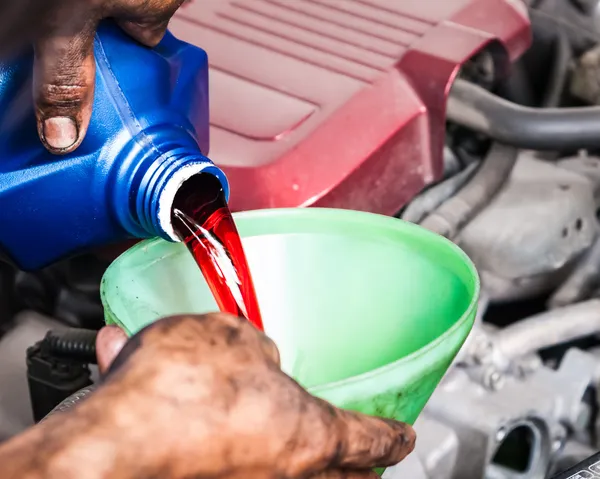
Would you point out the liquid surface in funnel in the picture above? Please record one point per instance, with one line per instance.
(203, 221)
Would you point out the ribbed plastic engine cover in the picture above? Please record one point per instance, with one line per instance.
(337, 103)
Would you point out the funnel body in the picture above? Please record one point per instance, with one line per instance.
(368, 311)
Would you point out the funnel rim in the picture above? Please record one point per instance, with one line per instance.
(349, 215)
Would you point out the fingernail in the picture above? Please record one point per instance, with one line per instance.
(60, 132)
(109, 343)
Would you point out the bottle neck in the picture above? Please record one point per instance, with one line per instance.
(146, 191)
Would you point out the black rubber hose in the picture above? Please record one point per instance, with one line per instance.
(79, 344)
(560, 71)
(448, 219)
(524, 127)
(432, 198)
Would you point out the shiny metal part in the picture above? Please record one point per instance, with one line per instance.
(518, 430)
(501, 413)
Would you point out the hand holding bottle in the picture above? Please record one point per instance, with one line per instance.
(64, 70)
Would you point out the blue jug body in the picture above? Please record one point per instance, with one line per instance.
(149, 132)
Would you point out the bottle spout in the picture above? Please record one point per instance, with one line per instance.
(172, 186)
(146, 211)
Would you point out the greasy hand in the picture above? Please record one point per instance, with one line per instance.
(206, 398)
(64, 68)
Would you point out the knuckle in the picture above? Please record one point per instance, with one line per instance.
(381, 446)
(67, 95)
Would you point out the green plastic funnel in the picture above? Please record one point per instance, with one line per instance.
(368, 311)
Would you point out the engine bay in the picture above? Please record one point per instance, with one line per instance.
(478, 120)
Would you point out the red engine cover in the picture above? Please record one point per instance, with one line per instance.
(337, 103)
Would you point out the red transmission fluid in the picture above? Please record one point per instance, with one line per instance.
(338, 103)
(204, 223)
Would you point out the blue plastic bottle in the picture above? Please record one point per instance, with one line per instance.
(148, 134)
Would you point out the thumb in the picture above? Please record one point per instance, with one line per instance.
(109, 342)
(339, 440)
(64, 73)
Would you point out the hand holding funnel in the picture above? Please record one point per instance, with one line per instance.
(208, 399)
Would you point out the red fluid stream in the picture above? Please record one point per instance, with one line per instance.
(203, 221)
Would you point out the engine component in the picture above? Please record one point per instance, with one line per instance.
(15, 408)
(549, 328)
(585, 165)
(585, 81)
(68, 291)
(455, 213)
(587, 469)
(502, 413)
(514, 258)
(8, 307)
(57, 368)
(582, 282)
(503, 426)
(576, 18)
(559, 73)
(77, 344)
(525, 127)
(346, 120)
(435, 196)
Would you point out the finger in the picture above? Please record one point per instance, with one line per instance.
(64, 73)
(329, 438)
(109, 342)
(364, 442)
(147, 33)
(341, 474)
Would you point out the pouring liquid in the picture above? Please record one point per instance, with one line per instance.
(203, 221)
